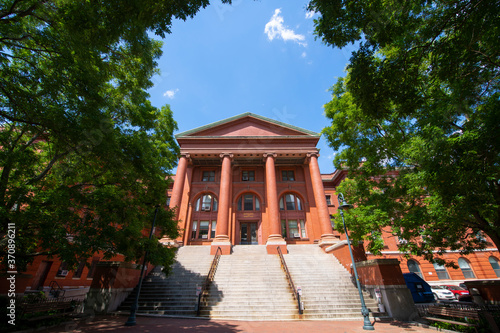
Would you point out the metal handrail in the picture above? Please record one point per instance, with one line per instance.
(208, 279)
(56, 292)
(296, 294)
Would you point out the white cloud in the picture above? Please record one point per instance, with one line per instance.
(304, 54)
(170, 93)
(275, 29)
(310, 14)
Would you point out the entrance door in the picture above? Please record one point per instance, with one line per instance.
(248, 233)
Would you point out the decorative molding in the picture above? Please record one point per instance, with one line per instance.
(187, 156)
(311, 154)
(266, 155)
(222, 155)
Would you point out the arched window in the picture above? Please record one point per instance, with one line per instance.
(290, 202)
(465, 267)
(206, 202)
(441, 271)
(413, 267)
(494, 264)
(248, 202)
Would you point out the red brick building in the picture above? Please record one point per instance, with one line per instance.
(253, 180)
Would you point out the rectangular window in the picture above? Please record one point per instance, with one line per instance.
(208, 176)
(206, 203)
(248, 175)
(302, 229)
(290, 202)
(195, 228)
(90, 274)
(79, 270)
(328, 200)
(287, 175)
(441, 271)
(283, 228)
(468, 273)
(248, 202)
(212, 231)
(204, 227)
(293, 229)
(63, 270)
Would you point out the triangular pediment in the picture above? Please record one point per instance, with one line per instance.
(247, 125)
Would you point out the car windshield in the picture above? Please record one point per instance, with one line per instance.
(455, 288)
(437, 287)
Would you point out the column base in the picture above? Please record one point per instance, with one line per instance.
(223, 242)
(275, 241)
(328, 240)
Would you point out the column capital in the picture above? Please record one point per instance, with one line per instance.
(187, 156)
(311, 154)
(222, 155)
(266, 155)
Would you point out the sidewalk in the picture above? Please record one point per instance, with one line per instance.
(162, 324)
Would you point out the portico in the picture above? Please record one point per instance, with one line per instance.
(250, 180)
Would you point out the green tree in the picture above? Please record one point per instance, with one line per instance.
(417, 119)
(84, 155)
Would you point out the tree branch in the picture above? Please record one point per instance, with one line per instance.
(47, 168)
(19, 14)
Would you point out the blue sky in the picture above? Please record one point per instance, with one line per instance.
(252, 56)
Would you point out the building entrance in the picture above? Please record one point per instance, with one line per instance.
(248, 233)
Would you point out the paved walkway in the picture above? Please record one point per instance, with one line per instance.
(161, 324)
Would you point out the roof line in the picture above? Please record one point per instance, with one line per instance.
(246, 114)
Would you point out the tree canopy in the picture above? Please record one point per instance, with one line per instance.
(84, 155)
(416, 119)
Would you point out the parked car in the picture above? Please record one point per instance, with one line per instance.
(456, 290)
(441, 293)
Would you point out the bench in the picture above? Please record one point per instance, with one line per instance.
(453, 313)
(59, 307)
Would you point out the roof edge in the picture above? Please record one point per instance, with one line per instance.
(246, 114)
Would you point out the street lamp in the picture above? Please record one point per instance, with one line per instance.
(367, 325)
(135, 305)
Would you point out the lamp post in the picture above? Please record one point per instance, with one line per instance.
(135, 305)
(367, 325)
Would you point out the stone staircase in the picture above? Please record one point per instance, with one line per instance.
(174, 295)
(328, 292)
(250, 285)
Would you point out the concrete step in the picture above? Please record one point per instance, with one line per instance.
(249, 284)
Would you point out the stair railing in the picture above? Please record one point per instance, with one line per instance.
(296, 293)
(56, 290)
(208, 279)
